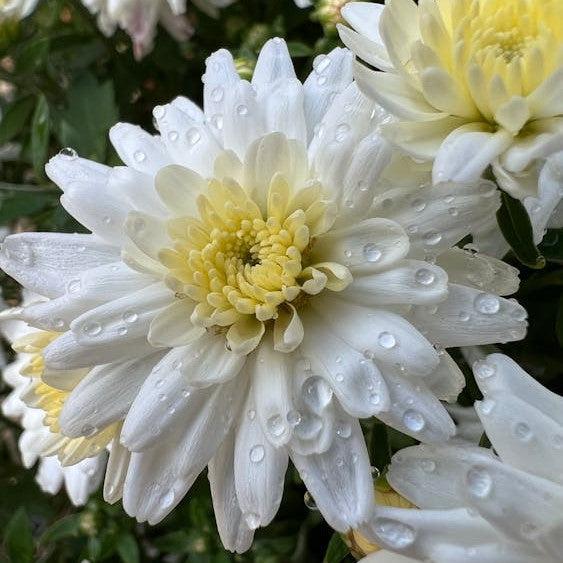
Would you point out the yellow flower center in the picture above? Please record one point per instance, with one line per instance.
(236, 259)
(518, 40)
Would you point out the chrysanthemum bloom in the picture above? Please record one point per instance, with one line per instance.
(17, 9)
(477, 505)
(472, 82)
(139, 18)
(37, 439)
(246, 299)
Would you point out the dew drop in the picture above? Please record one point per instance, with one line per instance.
(483, 370)
(173, 136)
(130, 316)
(428, 465)
(242, 110)
(275, 425)
(68, 153)
(486, 406)
(293, 417)
(251, 413)
(168, 499)
(339, 377)
(432, 238)
(479, 482)
(522, 431)
(394, 533)
(413, 420)
(386, 340)
(487, 304)
(257, 453)
(371, 252)
(309, 501)
(464, 316)
(139, 156)
(418, 204)
(217, 94)
(424, 276)
(344, 430)
(92, 329)
(193, 136)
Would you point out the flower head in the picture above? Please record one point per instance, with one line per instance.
(36, 405)
(480, 504)
(17, 9)
(473, 82)
(139, 18)
(255, 282)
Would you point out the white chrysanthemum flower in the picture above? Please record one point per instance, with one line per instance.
(37, 439)
(252, 286)
(385, 556)
(139, 18)
(473, 82)
(17, 9)
(477, 505)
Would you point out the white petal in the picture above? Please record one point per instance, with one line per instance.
(138, 149)
(271, 386)
(274, 63)
(408, 281)
(104, 396)
(388, 337)
(123, 319)
(364, 18)
(469, 317)
(49, 475)
(467, 151)
(259, 470)
(479, 271)
(46, 262)
(288, 330)
(415, 411)
(340, 479)
(172, 325)
(179, 188)
(356, 382)
(235, 534)
(66, 353)
(159, 477)
(147, 232)
(332, 73)
(116, 471)
(183, 380)
(82, 479)
(65, 170)
(368, 246)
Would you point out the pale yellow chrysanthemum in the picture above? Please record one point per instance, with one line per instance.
(472, 82)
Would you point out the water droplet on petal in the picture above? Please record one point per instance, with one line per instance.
(242, 110)
(424, 276)
(386, 340)
(479, 482)
(193, 136)
(371, 252)
(483, 369)
(487, 304)
(293, 417)
(92, 329)
(130, 316)
(395, 533)
(413, 420)
(68, 153)
(522, 431)
(275, 425)
(309, 501)
(217, 94)
(257, 453)
(432, 238)
(139, 156)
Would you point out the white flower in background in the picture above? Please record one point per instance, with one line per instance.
(17, 9)
(477, 505)
(253, 284)
(139, 18)
(472, 82)
(81, 479)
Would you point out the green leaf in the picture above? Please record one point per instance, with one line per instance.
(128, 549)
(15, 118)
(40, 127)
(63, 528)
(337, 550)
(21, 203)
(18, 539)
(552, 246)
(90, 113)
(174, 542)
(297, 49)
(514, 222)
